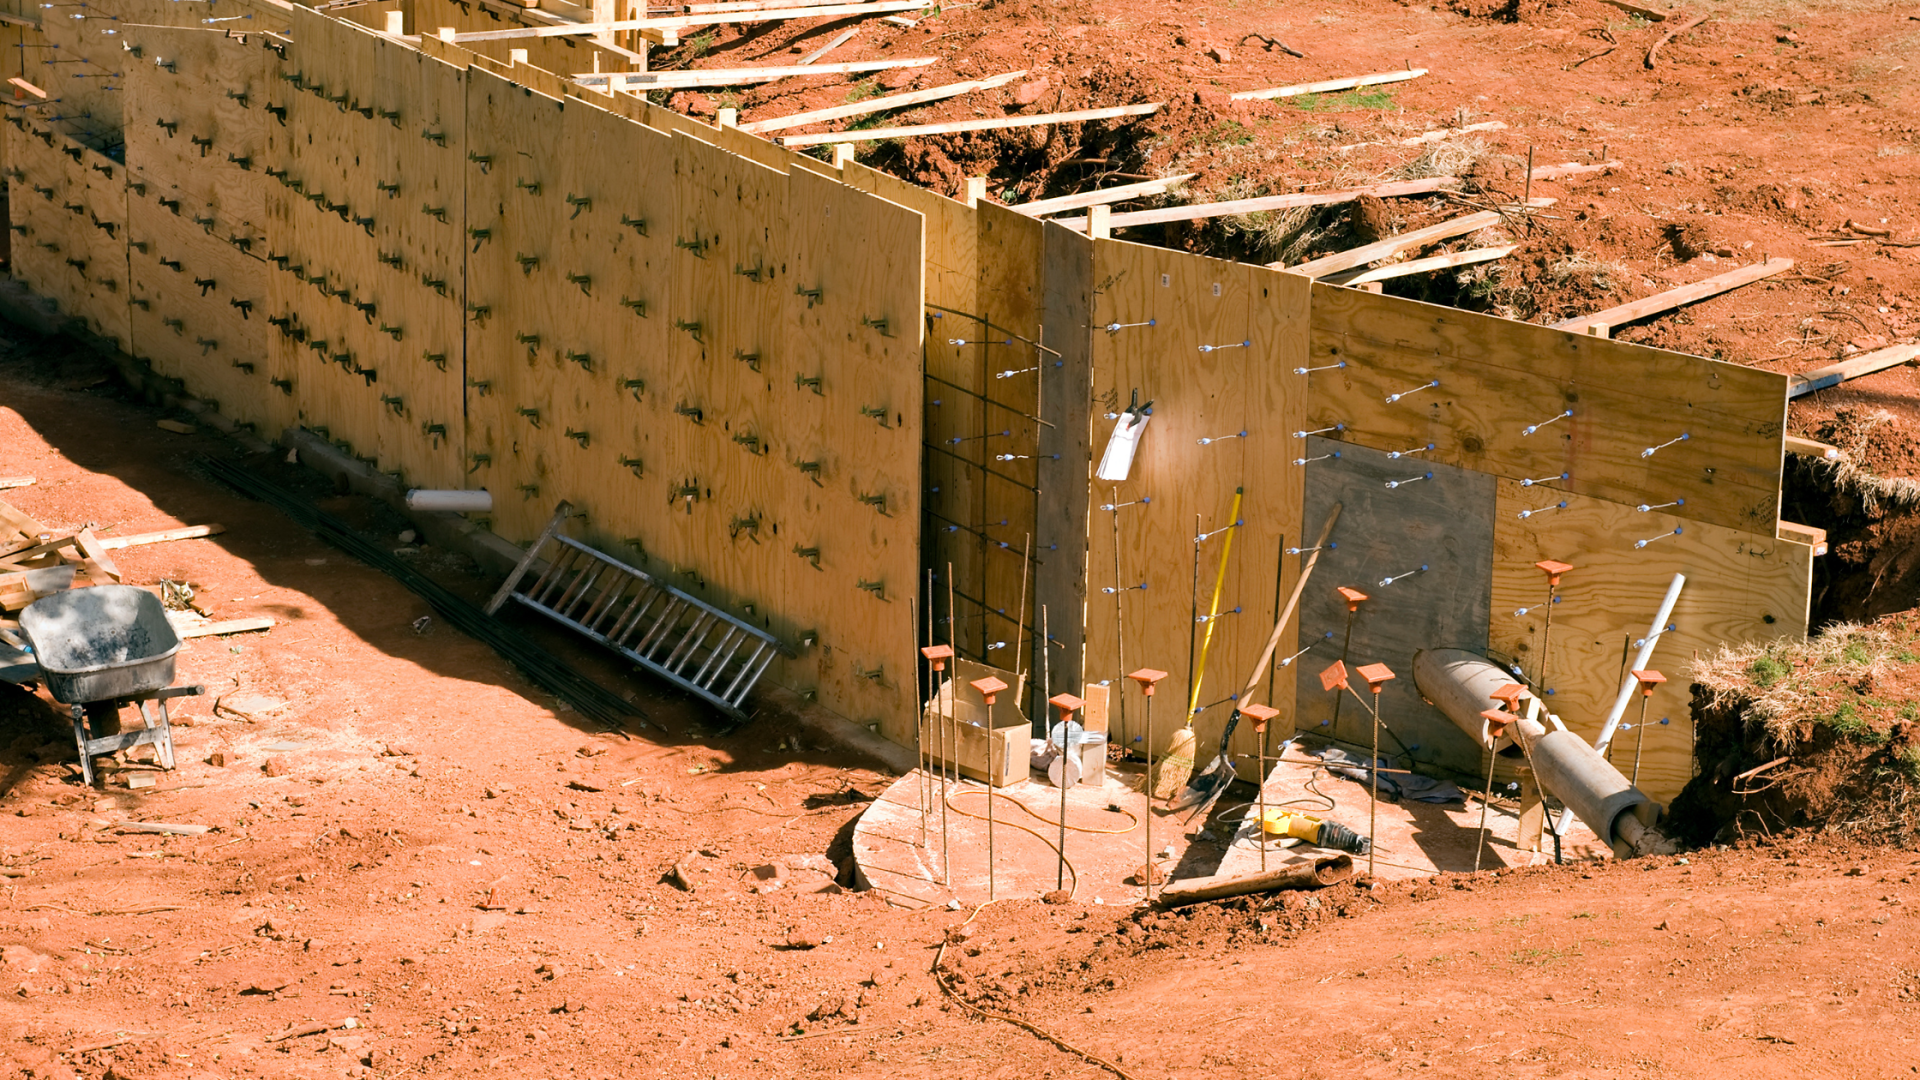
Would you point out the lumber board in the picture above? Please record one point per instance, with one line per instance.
(1062, 452)
(885, 103)
(739, 76)
(1102, 197)
(1802, 447)
(1445, 523)
(15, 481)
(1394, 245)
(190, 532)
(1264, 203)
(1326, 86)
(1571, 168)
(702, 18)
(987, 124)
(1673, 298)
(224, 627)
(1740, 588)
(1447, 261)
(1807, 382)
(1194, 301)
(1498, 377)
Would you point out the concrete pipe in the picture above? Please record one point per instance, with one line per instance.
(1461, 684)
(452, 502)
(1590, 785)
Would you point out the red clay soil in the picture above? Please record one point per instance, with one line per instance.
(1762, 132)
(408, 837)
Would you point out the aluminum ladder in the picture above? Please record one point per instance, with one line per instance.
(680, 638)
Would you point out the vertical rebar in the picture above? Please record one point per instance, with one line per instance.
(1639, 737)
(1146, 790)
(1373, 780)
(1273, 668)
(947, 719)
(1046, 679)
(1485, 798)
(1119, 625)
(920, 724)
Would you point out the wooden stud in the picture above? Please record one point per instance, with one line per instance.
(1329, 85)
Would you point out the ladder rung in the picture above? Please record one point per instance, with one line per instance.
(695, 631)
(610, 598)
(629, 621)
(556, 576)
(577, 592)
(750, 674)
(532, 592)
(721, 652)
(668, 615)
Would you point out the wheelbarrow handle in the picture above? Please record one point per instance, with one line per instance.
(173, 692)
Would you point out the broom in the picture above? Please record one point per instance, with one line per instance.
(1220, 773)
(1176, 766)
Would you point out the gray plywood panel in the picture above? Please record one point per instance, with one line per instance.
(1443, 522)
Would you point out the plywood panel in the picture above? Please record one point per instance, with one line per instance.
(199, 303)
(854, 292)
(1217, 394)
(1445, 523)
(1739, 588)
(1499, 377)
(70, 225)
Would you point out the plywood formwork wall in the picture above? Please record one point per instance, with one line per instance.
(796, 387)
(1216, 362)
(1612, 489)
(68, 212)
(369, 246)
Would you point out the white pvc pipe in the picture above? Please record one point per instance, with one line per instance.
(1640, 660)
(453, 502)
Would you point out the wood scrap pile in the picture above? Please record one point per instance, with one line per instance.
(37, 561)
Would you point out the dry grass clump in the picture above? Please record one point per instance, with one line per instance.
(1451, 157)
(1607, 277)
(1783, 684)
(1851, 430)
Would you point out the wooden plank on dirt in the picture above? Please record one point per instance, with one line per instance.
(191, 532)
(229, 626)
(99, 567)
(1394, 245)
(1673, 298)
(1233, 207)
(1834, 374)
(1571, 168)
(988, 124)
(629, 80)
(14, 481)
(1420, 266)
(880, 104)
(1103, 197)
(681, 22)
(1329, 85)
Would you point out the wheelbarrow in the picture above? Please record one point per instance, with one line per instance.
(102, 648)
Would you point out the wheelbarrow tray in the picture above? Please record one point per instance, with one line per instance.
(102, 643)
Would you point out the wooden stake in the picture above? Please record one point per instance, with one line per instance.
(1447, 261)
(1328, 85)
(1040, 207)
(1394, 245)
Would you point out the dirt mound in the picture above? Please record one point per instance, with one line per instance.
(1821, 735)
(1507, 11)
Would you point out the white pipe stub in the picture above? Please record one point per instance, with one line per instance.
(479, 501)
